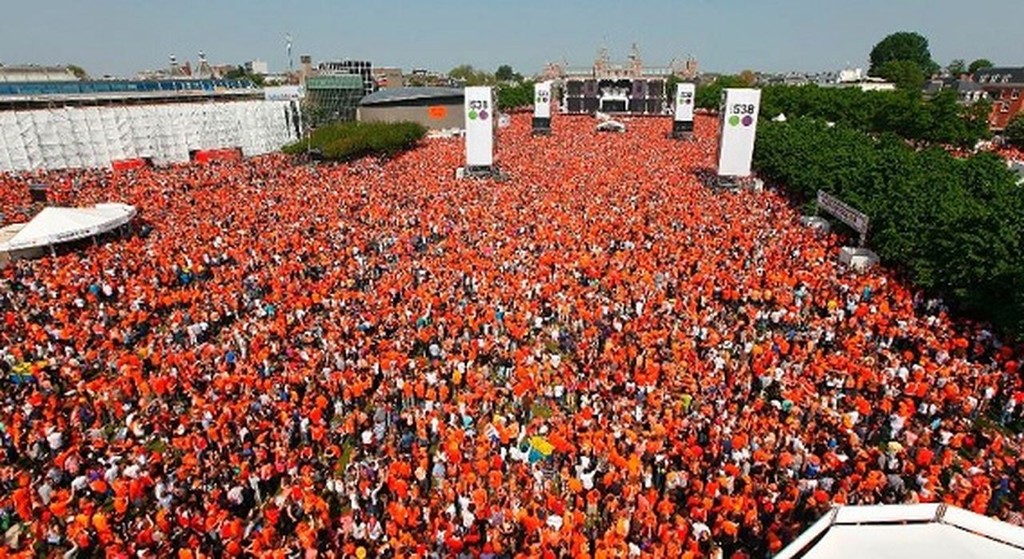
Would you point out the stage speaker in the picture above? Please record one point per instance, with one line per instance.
(639, 89)
(614, 105)
(576, 104)
(590, 104)
(656, 88)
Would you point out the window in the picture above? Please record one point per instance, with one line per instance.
(1015, 94)
(1005, 107)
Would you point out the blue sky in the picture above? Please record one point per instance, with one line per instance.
(121, 36)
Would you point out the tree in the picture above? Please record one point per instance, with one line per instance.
(940, 119)
(905, 46)
(957, 67)
(670, 85)
(240, 73)
(978, 65)
(748, 77)
(709, 96)
(1014, 132)
(906, 74)
(515, 96)
(470, 75)
(78, 71)
(952, 224)
(505, 73)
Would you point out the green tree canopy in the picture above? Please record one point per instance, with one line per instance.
(470, 75)
(78, 71)
(505, 73)
(709, 96)
(515, 96)
(239, 72)
(979, 64)
(952, 224)
(1014, 132)
(903, 46)
(904, 73)
(956, 67)
(940, 119)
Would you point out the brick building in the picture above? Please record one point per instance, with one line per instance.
(1003, 87)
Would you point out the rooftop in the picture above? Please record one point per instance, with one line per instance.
(399, 94)
(120, 90)
(998, 76)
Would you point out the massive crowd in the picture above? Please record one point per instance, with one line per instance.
(598, 357)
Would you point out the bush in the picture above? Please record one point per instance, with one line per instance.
(351, 140)
(953, 225)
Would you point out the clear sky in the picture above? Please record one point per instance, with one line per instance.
(122, 36)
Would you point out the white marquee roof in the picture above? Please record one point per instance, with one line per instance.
(56, 225)
(907, 532)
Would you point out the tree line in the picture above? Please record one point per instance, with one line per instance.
(952, 225)
(909, 114)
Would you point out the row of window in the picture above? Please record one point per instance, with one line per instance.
(89, 87)
(995, 78)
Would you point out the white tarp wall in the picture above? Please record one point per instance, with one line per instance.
(96, 136)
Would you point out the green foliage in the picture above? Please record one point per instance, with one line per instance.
(904, 73)
(709, 96)
(939, 119)
(351, 140)
(979, 64)
(670, 85)
(903, 46)
(956, 67)
(471, 76)
(1014, 132)
(505, 73)
(515, 96)
(952, 224)
(78, 71)
(240, 73)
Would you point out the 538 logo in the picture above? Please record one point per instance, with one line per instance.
(478, 110)
(742, 113)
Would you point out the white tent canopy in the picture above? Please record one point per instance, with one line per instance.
(56, 225)
(906, 532)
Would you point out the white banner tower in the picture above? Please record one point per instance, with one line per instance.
(480, 121)
(682, 122)
(738, 125)
(542, 108)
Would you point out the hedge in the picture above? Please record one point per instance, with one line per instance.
(352, 140)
